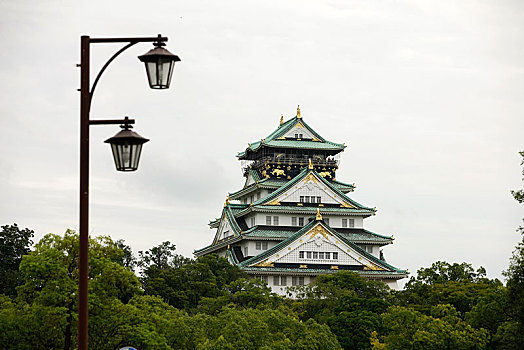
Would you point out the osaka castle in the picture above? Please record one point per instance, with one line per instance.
(292, 220)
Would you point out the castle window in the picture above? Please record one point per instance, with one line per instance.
(258, 195)
(328, 255)
(301, 199)
(296, 136)
(344, 222)
(245, 252)
(279, 280)
(268, 220)
(308, 254)
(294, 221)
(315, 255)
(264, 245)
(297, 280)
(300, 221)
(307, 199)
(263, 278)
(275, 220)
(321, 255)
(351, 222)
(319, 199)
(252, 222)
(335, 256)
(301, 254)
(258, 245)
(252, 199)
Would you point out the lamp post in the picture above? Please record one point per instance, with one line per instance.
(126, 145)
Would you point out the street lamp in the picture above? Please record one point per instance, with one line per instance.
(160, 65)
(126, 145)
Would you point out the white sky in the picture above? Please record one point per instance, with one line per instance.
(428, 95)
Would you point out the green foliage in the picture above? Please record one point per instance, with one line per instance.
(206, 303)
(409, 329)
(515, 286)
(161, 257)
(319, 300)
(350, 304)
(443, 272)
(183, 282)
(444, 283)
(263, 329)
(355, 319)
(519, 194)
(242, 293)
(14, 244)
(46, 304)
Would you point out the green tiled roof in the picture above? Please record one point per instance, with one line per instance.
(268, 183)
(356, 236)
(303, 173)
(303, 230)
(272, 139)
(344, 186)
(314, 272)
(272, 183)
(304, 210)
(365, 236)
(304, 144)
(254, 174)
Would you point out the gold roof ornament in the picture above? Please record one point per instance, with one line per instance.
(319, 216)
(298, 112)
(310, 164)
(281, 119)
(227, 201)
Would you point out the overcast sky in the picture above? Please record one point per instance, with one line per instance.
(428, 96)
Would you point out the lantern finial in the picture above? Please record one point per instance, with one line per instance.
(298, 112)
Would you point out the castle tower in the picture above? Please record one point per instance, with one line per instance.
(293, 220)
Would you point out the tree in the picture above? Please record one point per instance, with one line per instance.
(444, 283)
(515, 273)
(319, 300)
(183, 282)
(519, 194)
(160, 257)
(444, 329)
(355, 319)
(14, 244)
(49, 290)
(242, 293)
(262, 329)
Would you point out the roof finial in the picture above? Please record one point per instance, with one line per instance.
(227, 201)
(310, 164)
(281, 119)
(319, 216)
(298, 112)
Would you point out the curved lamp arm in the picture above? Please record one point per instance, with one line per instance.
(106, 65)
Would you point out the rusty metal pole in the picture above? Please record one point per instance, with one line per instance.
(85, 101)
